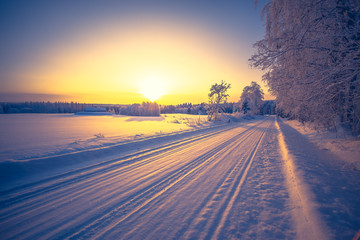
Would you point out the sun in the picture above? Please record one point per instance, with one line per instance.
(152, 88)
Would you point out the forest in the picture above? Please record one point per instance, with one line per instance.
(311, 58)
(143, 109)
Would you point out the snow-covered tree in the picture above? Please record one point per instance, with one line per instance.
(311, 55)
(251, 99)
(218, 94)
(144, 109)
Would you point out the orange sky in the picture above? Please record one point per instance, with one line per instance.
(134, 59)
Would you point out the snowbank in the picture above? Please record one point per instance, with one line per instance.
(342, 145)
(333, 180)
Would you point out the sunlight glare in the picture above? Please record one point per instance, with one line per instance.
(152, 88)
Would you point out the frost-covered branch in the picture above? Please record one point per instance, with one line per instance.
(311, 55)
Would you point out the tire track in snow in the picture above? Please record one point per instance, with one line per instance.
(235, 190)
(61, 198)
(238, 186)
(109, 209)
(82, 176)
(36, 199)
(308, 222)
(91, 183)
(96, 229)
(211, 218)
(27, 190)
(227, 152)
(31, 190)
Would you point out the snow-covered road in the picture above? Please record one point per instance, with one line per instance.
(236, 182)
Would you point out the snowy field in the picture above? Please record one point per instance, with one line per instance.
(28, 136)
(253, 179)
(341, 143)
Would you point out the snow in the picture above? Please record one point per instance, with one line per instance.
(341, 143)
(307, 221)
(253, 179)
(334, 186)
(27, 136)
(35, 146)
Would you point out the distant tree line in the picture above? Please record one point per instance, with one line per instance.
(144, 109)
(251, 101)
(43, 107)
(186, 108)
(268, 107)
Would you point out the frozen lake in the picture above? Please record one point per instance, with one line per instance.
(25, 136)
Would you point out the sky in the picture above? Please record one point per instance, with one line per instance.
(125, 52)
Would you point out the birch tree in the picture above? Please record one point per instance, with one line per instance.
(218, 95)
(251, 99)
(311, 58)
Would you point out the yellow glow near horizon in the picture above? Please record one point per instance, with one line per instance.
(165, 62)
(152, 88)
